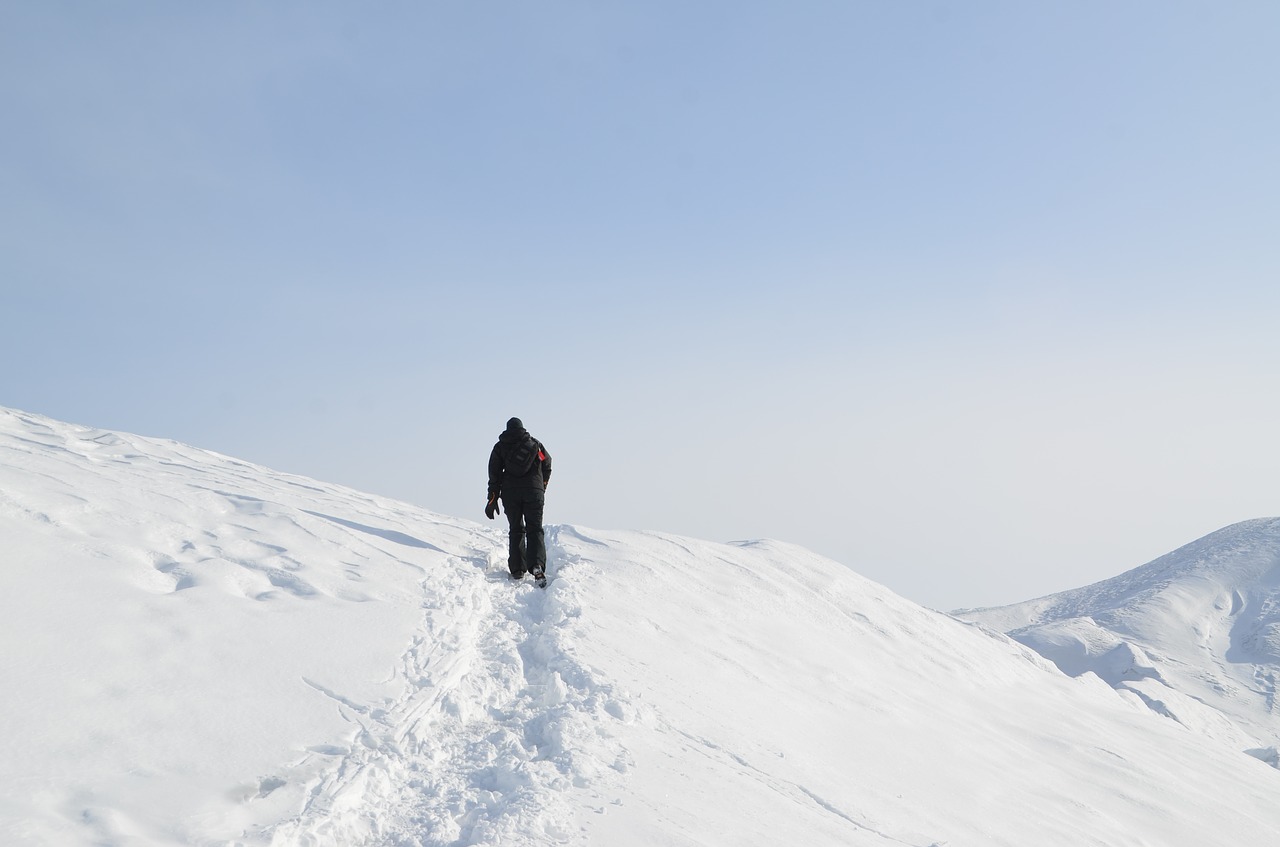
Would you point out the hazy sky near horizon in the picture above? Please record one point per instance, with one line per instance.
(979, 299)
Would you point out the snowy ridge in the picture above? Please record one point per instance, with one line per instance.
(1194, 634)
(1239, 555)
(200, 651)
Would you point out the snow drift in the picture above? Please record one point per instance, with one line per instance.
(1194, 634)
(197, 650)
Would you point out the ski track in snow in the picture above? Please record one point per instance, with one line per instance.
(498, 720)
(791, 790)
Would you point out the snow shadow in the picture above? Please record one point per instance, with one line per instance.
(388, 534)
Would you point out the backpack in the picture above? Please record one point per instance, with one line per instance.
(521, 458)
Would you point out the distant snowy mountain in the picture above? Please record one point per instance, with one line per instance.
(199, 651)
(1195, 634)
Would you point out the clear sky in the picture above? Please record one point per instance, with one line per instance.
(980, 299)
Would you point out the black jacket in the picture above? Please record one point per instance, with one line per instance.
(519, 462)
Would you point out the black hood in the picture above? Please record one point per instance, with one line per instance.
(513, 436)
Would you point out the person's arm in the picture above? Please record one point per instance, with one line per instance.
(495, 472)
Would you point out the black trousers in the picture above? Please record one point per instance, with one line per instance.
(528, 547)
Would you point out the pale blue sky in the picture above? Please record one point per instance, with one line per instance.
(980, 299)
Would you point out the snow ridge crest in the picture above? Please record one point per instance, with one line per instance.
(1195, 634)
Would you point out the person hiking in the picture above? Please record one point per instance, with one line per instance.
(519, 469)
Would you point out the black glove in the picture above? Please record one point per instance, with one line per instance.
(492, 508)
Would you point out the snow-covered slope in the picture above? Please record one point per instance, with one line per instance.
(200, 651)
(1194, 634)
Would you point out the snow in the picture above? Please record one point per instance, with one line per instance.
(201, 651)
(1193, 633)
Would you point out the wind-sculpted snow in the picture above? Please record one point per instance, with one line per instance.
(1194, 634)
(200, 651)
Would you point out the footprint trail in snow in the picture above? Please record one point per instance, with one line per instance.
(202, 651)
(501, 737)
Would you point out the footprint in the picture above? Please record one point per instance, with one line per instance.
(268, 785)
(294, 585)
(172, 568)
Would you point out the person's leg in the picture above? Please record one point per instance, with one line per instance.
(515, 518)
(536, 554)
